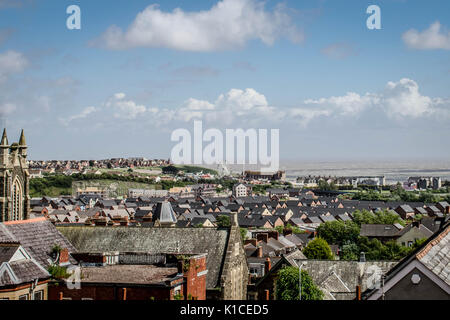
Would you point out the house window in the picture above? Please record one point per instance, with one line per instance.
(87, 299)
(38, 295)
(23, 297)
(410, 243)
(4, 298)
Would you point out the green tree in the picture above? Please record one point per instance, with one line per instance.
(363, 217)
(350, 251)
(338, 232)
(223, 221)
(287, 285)
(380, 217)
(325, 186)
(243, 234)
(318, 249)
(170, 170)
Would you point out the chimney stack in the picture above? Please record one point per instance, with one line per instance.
(252, 241)
(273, 234)
(267, 266)
(262, 236)
(63, 256)
(259, 252)
(180, 265)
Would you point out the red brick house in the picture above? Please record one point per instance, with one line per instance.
(135, 276)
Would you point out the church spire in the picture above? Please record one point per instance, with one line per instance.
(4, 141)
(22, 139)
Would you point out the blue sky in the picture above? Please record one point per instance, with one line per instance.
(334, 88)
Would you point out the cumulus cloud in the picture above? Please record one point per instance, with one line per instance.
(431, 38)
(239, 108)
(402, 99)
(349, 104)
(229, 24)
(11, 62)
(124, 109)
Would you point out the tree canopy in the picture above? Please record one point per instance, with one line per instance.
(287, 287)
(223, 221)
(318, 249)
(379, 217)
(338, 232)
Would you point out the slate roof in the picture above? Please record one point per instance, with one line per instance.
(20, 269)
(155, 240)
(136, 274)
(28, 270)
(36, 236)
(434, 254)
(294, 239)
(6, 252)
(164, 213)
(378, 230)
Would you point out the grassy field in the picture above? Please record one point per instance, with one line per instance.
(115, 188)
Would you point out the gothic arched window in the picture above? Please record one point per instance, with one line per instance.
(17, 200)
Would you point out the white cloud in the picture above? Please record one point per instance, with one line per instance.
(240, 108)
(305, 116)
(402, 99)
(11, 62)
(83, 114)
(350, 104)
(229, 24)
(194, 104)
(398, 100)
(431, 38)
(124, 109)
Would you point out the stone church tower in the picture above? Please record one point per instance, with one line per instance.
(14, 180)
